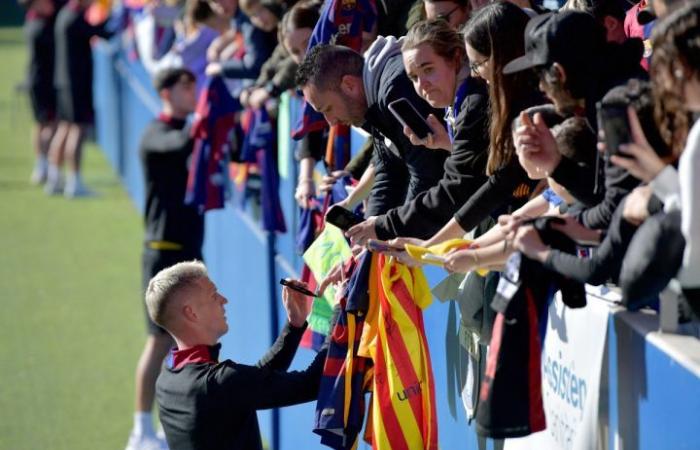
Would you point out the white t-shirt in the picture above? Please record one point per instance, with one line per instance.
(688, 174)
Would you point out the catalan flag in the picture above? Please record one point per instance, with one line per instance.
(403, 407)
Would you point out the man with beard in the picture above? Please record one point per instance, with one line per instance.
(347, 88)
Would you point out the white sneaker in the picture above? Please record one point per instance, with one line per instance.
(39, 175)
(141, 442)
(53, 186)
(75, 188)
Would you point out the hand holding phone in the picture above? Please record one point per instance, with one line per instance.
(409, 117)
(614, 121)
(343, 218)
(638, 157)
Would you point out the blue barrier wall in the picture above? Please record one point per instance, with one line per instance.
(651, 386)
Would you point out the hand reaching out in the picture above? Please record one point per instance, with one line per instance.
(536, 147)
(637, 157)
(527, 240)
(360, 233)
(437, 140)
(329, 180)
(305, 192)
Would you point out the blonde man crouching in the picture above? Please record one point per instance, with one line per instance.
(207, 404)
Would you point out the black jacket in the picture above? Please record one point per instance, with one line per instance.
(166, 146)
(39, 33)
(503, 192)
(464, 173)
(406, 170)
(618, 183)
(206, 404)
(619, 64)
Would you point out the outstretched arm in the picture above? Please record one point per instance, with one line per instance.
(280, 355)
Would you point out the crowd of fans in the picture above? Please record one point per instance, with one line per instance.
(559, 140)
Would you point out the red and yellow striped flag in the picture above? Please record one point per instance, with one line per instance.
(403, 406)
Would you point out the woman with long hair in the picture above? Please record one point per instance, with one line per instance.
(675, 75)
(493, 36)
(435, 61)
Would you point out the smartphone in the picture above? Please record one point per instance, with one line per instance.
(295, 287)
(343, 218)
(614, 121)
(377, 246)
(409, 117)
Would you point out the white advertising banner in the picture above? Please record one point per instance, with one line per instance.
(572, 358)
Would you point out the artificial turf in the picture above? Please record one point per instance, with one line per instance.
(71, 325)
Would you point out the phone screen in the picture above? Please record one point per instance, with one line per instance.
(342, 218)
(614, 122)
(408, 116)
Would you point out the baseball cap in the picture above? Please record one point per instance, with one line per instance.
(568, 37)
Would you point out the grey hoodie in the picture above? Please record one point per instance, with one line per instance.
(376, 58)
(403, 170)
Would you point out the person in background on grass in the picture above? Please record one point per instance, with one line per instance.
(209, 404)
(174, 231)
(73, 83)
(39, 33)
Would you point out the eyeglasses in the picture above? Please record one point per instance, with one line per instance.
(475, 66)
(446, 16)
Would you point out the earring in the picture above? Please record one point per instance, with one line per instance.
(679, 74)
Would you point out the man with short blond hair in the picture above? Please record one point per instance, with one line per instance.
(164, 290)
(174, 231)
(207, 404)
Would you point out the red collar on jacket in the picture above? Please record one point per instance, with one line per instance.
(170, 120)
(194, 355)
